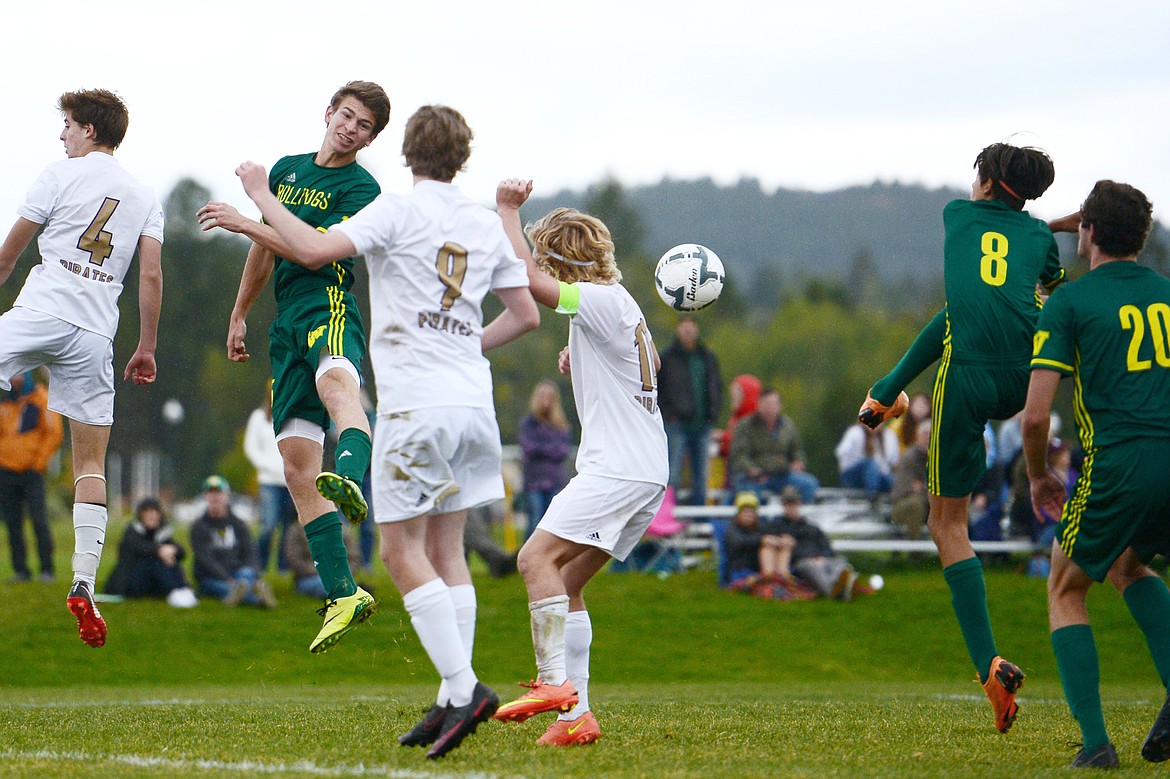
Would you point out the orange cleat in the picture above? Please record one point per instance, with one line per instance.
(871, 414)
(571, 732)
(90, 625)
(1001, 687)
(541, 698)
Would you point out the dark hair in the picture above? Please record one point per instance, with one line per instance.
(437, 142)
(1016, 173)
(100, 108)
(1121, 217)
(147, 504)
(371, 96)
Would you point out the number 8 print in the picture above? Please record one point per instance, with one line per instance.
(993, 267)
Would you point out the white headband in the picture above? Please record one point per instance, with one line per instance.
(580, 263)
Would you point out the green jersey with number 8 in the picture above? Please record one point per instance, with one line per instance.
(993, 258)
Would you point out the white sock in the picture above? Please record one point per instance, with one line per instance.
(463, 596)
(578, 637)
(89, 535)
(548, 637)
(432, 614)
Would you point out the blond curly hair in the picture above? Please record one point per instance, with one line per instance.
(573, 236)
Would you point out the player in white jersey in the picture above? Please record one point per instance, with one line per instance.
(95, 215)
(621, 464)
(432, 256)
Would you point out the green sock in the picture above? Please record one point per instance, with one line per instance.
(927, 348)
(969, 599)
(1080, 674)
(1149, 602)
(353, 454)
(327, 546)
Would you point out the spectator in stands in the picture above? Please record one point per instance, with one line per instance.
(277, 511)
(544, 445)
(226, 563)
(813, 559)
(752, 553)
(745, 399)
(866, 458)
(767, 454)
(150, 560)
(690, 396)
(906, 426)
(478, 538)
(306, 581)
(909, 505)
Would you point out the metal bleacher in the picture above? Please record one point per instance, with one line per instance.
(849, 520)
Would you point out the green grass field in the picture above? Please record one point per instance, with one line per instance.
(686, 681)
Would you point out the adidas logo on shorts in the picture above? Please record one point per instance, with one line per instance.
(594, 536)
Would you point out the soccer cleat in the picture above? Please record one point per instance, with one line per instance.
(346, 493)
(427, 729)
(1003, 682)
(871, 414)
(461, 721)
(1104, 756)
(341, 616)
(90, 625)
(1157, 744)
(570, 732)
(540, 698)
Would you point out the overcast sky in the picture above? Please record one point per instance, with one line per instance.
(810, 95)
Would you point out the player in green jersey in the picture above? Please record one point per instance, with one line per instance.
(317, 340)
(1108, 330)
(994, 256)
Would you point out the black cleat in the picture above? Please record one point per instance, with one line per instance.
(1157, 745)
(1104, 756)
(427, 730)
(461, 721)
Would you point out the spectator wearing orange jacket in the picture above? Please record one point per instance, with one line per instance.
(29, 436)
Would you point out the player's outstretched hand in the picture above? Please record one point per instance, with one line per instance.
(236, 351)
(563, 362)
(141, 368)
(511, 193)
(254, 178)
(217, 214)
(1048, 496)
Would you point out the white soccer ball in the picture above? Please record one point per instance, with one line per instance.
(689, 277)
(877, 582)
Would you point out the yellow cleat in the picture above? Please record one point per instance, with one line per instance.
(346, 493)
(341, 616)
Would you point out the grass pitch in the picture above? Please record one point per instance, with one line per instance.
(687, 681)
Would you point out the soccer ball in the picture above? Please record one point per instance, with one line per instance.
(689, 277)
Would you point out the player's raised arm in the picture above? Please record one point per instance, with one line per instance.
(311, 248)
(1066, 224)
(520, 315)
(141, 367)
(510, 195)
(226, 217)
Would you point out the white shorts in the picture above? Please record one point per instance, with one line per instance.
(435, 460)
(611, 514)
(80, 363)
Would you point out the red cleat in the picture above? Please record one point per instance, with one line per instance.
(90, 625)
(1001, 687)
(571, 732)
(540, 698)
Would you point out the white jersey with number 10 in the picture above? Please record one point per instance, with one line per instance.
(615, 387)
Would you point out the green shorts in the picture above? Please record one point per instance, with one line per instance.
(327, 319)
(1122, 499)
(965, 397)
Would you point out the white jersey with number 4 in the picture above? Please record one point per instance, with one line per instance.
(94, 212)
(611, 356)
(433, 256)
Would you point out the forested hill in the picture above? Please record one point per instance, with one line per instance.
(794, 234)
(780, 240)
